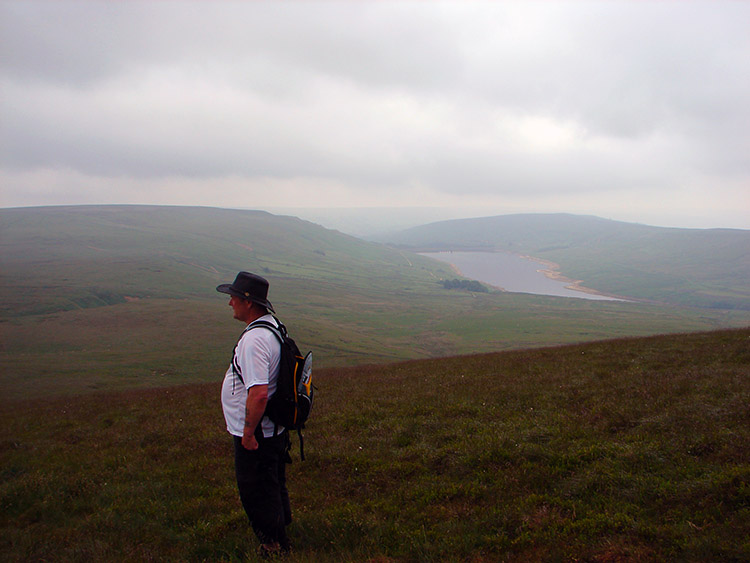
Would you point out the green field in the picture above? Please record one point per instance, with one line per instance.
(623, 450)
(121, 297)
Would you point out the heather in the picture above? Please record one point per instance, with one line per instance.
(617, 450)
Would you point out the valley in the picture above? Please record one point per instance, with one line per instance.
(119, 297)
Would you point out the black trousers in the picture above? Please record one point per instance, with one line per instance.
(261, 480)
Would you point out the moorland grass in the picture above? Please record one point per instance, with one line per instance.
(157, 342)
(621, 450)
(97, 298)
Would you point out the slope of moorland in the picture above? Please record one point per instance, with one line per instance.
(116, 297)
(64, 258)
(621, 450)
(701, 268)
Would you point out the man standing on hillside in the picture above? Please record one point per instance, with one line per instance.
(260, 450)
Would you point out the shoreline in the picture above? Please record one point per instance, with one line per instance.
(550, 270)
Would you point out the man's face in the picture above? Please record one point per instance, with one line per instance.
(241, 308)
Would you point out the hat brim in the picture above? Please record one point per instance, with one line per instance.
(229, 290)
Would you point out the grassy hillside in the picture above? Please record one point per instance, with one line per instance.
(624, 450)
(87, 288)
(120, 297)
(704, 268)
(63, 258)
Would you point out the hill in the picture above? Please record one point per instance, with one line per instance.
(134, 286)
(64, 258)
(692, 267)
(623, 450)
(120, 297)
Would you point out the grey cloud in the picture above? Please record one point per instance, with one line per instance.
(379, 93)
(78, 42)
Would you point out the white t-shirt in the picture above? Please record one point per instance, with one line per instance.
(258, 353)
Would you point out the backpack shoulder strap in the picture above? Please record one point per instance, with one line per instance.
(277, 331)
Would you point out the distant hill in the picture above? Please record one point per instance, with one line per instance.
(62, 258)
(117, 297)
(132, 288)
(704, 268)
(371, 222)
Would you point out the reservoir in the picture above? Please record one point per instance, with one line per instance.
(512, 272)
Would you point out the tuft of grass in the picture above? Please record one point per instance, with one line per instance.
(622, 450)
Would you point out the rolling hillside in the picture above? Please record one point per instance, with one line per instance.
(700, 268)
(63, 258)
(624, 450)
(120, 297)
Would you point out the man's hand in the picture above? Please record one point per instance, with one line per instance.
(249, 442)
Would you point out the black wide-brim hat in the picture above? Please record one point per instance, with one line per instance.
(248, 286)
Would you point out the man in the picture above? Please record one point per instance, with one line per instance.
(260, 448)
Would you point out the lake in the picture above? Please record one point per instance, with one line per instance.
(511, 272)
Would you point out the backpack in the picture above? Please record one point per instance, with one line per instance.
(291, 403)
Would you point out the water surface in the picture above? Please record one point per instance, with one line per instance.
(511, 272)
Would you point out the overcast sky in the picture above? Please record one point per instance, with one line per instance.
(638, 111)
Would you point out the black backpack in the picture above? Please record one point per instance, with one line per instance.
(291, 403)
